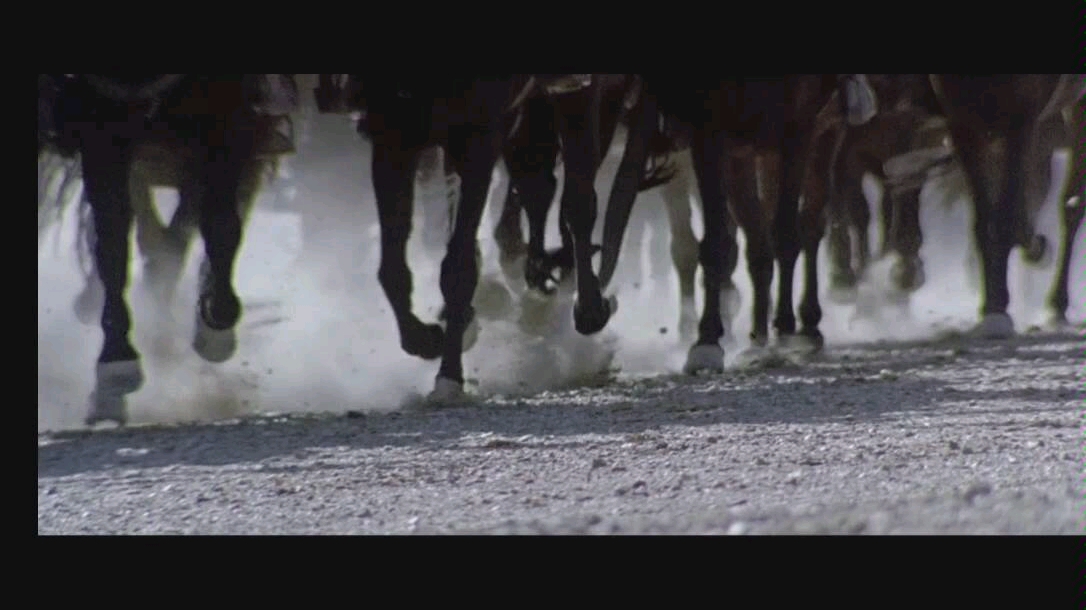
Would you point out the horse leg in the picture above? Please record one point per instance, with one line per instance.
(859, 215)
(993, 230)
(473, 152)
(707, 150)
(578, 122)
(786, 236)
(753, 217)
(509, 236)
(684, 245)
(842, 277)
(218, 178)
(532, 161)
(164, 248)
(905, 239)
(393, 171)
(812, 227)
(105, 162)
(1072, 211)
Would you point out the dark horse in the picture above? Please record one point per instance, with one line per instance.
(531, 155)
(105, 117)
(734, 123)
(994, 121)
(469, 116)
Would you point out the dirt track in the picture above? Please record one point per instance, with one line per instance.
(947, 436)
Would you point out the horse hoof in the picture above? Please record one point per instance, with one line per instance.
(1058, 323)
(810, 340)
(704, 359)
(589, 322)
(994, 326)
(214, 345)
(425, 341)
(801, 342)
(447, 392)
(106, 407)
(1036, 250)
(88, 305)
(118, 378)
(493, 301)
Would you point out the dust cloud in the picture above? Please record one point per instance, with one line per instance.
(318, 335)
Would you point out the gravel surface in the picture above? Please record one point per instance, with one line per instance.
(949, 436)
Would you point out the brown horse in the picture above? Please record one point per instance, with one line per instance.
(164, 243)
(897, 146)
(994, 122)
(1058, 129)
(742, 128)
(105, 118)
(469, 116)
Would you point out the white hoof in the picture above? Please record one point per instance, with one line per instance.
(754, 355)
(106, 407)
(120, 378)
(447, 393)
(214, 345)
(994, 326)
(704, 359)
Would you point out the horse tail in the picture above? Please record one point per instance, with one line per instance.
(59, 183)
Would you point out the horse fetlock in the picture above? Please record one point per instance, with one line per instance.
(471, 328)
(426, 341)
(1036, 248)
(994, 326)
(118, 377)
(809, 339)
(592, 316)
(688, 320)
(907, 274)
(704, 359)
